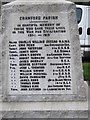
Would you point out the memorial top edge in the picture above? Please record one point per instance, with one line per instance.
(20, 2)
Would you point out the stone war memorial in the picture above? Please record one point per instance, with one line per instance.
(42, 75)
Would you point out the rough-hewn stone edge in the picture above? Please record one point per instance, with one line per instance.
(45, 114)
(54, 7)
(81, 94)
(77, 61)
(0, 56)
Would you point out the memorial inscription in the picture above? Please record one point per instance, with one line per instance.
(39, 63)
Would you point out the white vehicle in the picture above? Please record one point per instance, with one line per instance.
(83, 18)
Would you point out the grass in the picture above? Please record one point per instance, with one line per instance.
(86, 72)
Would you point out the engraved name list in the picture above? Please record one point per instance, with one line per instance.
(39, 54)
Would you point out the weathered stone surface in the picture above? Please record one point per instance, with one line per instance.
(46, 114)
(0, 67)
(0, 56)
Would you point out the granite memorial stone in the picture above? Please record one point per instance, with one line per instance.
(41, 52)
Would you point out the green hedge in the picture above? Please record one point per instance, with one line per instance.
(86, 72)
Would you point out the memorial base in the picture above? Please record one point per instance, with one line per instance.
(45, 110)
(80, 114)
